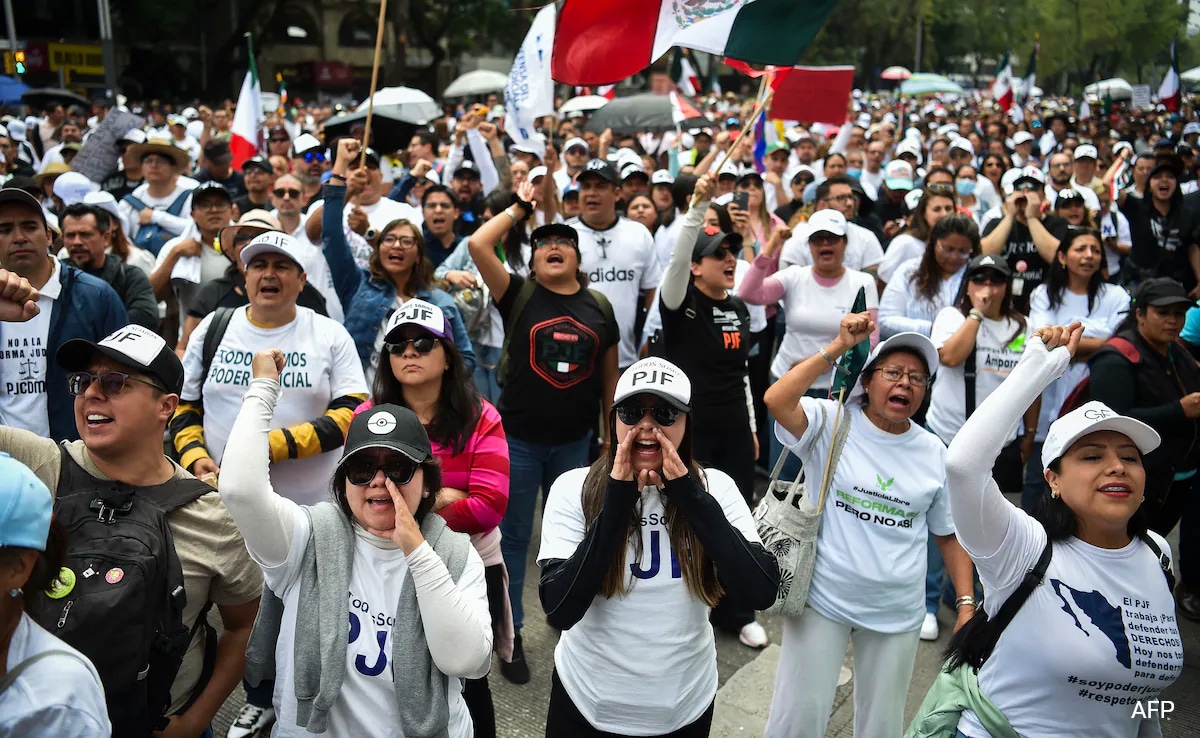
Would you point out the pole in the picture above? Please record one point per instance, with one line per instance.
(362, 161)
(12, 34)
(758, 110)
(107, 49)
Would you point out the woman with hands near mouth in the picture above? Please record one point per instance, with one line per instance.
(635, 550)
(414, 589)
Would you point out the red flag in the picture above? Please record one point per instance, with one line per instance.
(814, 95)
(779, 74)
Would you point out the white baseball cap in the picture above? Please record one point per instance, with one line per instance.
(1120, 146)
(828, 220)
(538, 171)
(1021, 137)
(898, 175)
(661, 177)
(918, 342)
(72, 187)
(305, 142)
(655, 376)
(913, 199)
(421, 314)
(573, 142)
(963, 144)
(1090, 418)
(104, 201)
(1086, 151)
(272, 242)
(910, 146)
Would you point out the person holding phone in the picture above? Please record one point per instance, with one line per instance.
(1025, 237)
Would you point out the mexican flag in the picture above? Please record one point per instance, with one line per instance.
(604, 41)
(685, 75)
(1168, 91)
(246, 139)
(1031, 71)
(1002, 87)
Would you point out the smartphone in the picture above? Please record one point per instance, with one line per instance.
(741, 198)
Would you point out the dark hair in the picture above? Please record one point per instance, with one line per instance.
(652, 207)
(421, 276)
(432, 482)
(973, 643)
(697, 570)
(81, 210)
(1004, 165)
(918, 227)
(723, 218)
(45, 567)
(927, 278)
(428, 138)
(438, 188)
(966, 165)
(839, 155)
(1007, 309)
(682, 190)
(938, 170)
(458, 405)
(826, 185)
(1057, 277)
(517, 237)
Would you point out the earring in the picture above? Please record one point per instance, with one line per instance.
(1054, 495)
(15, 593)
(425, 493)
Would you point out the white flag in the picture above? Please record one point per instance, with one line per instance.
(529, 93)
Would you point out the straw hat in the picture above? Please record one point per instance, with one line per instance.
(162, 147)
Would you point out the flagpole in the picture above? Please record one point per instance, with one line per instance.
(362, 162)
(762, 106)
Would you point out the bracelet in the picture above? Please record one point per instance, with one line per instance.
(825, 355)
(976, 315)
(508, 212)
(964, 601)
(337, 176)
(1031, 431)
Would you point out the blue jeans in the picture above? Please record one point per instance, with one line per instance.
(531, 466)
(1035, 480)
(936, 581)
(486, 360)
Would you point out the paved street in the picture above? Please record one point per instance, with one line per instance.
(747, 676)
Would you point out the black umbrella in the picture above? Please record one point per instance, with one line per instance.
(392, 126)
(43, 97)
(649, 112)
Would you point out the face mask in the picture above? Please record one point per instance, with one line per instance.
(856, 173)
(965, 187)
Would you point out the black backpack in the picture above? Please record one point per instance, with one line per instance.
(122, 603)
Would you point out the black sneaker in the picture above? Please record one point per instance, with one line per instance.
(516, 671)
(1189, 605)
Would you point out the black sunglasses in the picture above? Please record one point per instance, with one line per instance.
(280, 140)
(994, 278)
(282, 192)
(939, 188)
(631, 413)
(111, 383)
(721, 252)
(423, 345)
(360, 470)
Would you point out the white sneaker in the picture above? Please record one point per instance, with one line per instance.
(250, 721)
(929, 628)
(753, 635)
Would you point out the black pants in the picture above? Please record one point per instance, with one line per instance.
(758, 366)
(1179, 506)
(476, 692)
(565, 721)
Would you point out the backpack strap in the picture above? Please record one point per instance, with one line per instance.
(969, 381)
(606, 308)
(14, 673)
(1127, 349)
(134, 202)
(176, 207)
(1163, 560)
(510, 326)
(212, 339)
(1033, 578)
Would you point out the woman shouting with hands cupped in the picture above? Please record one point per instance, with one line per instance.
(635, 550)
(414, 589)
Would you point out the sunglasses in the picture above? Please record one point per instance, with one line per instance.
(314, 156)
(283, 192)
(632, 413)
(992, 280)
(722, 252)
(360, 470)
(111, 383)
(423, 345)
(939, 188)
(280, 140)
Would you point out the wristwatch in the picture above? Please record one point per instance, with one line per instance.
(975, 314)
(370, 234)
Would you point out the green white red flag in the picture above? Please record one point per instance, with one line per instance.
(246, 139)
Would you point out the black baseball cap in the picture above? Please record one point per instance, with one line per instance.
(602, 169)
(217, 151)
(713, 238)
(388, 426)
(983, 262)
(1069, 196)
(1161, 292)
(554, 229)
(20, 196)
(134, 346)
(210, 189)
(467, 169)
(259, 163)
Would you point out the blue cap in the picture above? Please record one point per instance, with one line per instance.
(25, 506)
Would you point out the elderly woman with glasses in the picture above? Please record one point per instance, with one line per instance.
(398, 272)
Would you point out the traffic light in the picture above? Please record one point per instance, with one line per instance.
(19, 58)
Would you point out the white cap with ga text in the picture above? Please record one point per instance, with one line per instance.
(1090, 418)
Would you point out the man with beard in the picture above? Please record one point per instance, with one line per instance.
(440, 212)
(69, 132)
(258, 176)
(309, 163)
(86, 233)
(1060, 171)
(468, 190)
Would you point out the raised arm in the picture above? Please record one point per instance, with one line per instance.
(678, 274)
(761, 286)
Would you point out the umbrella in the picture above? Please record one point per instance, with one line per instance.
(582, 104)
(895, 73)
(46, 96)
(929, 84)
(649, 112)
(11, 90)
(417, 105)
(1192, 75)
(479, 82)
(1116, 88)
(391, 127)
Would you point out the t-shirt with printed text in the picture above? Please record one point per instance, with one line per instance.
(23, 357)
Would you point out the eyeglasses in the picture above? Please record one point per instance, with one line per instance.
(559, 241)
(939, 188)
(405, 242)
(631, 413)
(360, 470)
(423, 345)
(894, 374)
(111, 383)
(283, 192)
(314, 156)
(211, 205)
(992, 280)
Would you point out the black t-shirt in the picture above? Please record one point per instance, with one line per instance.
(233, 183)
(118, 185)
(244, 205)
(230, 291)
(555, 365)
(709, 340)
(1029, 268)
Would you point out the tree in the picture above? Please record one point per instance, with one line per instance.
(452, 28)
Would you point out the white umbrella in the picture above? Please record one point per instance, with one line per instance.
(1118, 88)
(479, 82)
(402, 96)
(1192, 75)
(583, 104)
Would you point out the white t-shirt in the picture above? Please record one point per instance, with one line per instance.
(322, 364)
(998, 347)
(1095, 639)
(376, 583)
(901, 310)
(643, 664)
(664, 240)
(23, 361)
(1112, 302)
(172, 223)
(902, 248)
(620, 263)
(57, 696)
(888, 493)
(385, 211)
(1120, 231)
(814, 312)
(192, 272)
(862, 248)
